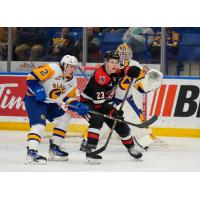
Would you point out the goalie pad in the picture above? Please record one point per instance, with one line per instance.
(143, 137)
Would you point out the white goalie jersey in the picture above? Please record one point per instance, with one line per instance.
(147, 81)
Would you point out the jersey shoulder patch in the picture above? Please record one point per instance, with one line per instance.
(43, 72)
(101, 77)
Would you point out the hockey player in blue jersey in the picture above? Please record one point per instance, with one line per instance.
(49, 86)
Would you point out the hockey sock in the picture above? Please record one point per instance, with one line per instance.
(127, 141)
(33, 140)
(58, 136)
(92, 139)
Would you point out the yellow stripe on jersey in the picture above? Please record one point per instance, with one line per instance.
(30, 77)
(71, 96)
(73, 93)
(43, 72)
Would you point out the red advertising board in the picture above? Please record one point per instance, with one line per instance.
(12, 92)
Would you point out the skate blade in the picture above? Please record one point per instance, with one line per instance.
(90, 161)
(31, 162)
(82, 149)
(58, 158)
(138, 159)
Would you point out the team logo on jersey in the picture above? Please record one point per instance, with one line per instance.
(124, 83)
(57, 91)
(102, 79)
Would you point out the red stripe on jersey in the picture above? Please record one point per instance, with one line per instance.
(153, 102)
(169, 100)
(160, 100)
(93, 135)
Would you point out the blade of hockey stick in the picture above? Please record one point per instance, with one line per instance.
(142, 125)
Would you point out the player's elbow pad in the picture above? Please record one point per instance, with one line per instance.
(33, 85)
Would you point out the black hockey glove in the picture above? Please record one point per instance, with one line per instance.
(133, 72)
(118, 114)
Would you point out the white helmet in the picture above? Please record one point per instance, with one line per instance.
(68, 60)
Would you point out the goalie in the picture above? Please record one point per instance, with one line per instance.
(148, 80)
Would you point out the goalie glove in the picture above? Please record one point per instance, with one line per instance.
(154, 78)
(151, 81)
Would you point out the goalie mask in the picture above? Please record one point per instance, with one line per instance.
(68, 65)
(125, 54)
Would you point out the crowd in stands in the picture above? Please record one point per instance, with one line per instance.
(50, 44)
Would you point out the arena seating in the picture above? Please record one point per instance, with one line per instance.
(189, 48)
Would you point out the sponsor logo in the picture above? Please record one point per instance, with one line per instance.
(8, 99)
(176, 101)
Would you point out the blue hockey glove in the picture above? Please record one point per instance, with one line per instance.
(40, 94)
(80, 108)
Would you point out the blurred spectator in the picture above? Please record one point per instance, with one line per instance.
(172, 40)
(4, 41)
(61, 44)
(64, 31)
(94, 53)
(31, 43)
(114, 29)
(137, 38)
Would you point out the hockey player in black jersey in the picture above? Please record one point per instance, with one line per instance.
(98, 95)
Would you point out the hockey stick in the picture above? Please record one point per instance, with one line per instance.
(83, 73)
(103, 148)
(142, 125)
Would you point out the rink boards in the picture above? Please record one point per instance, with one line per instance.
(177, 104)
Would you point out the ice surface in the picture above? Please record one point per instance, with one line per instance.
(180, 154)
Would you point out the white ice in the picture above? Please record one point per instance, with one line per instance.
(180, 154)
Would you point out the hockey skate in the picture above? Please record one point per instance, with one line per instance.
(134, 153)
(34, 158)
(83, 146)
(92, 159)
(56, 153)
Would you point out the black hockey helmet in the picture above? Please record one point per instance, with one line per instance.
(111, 55)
